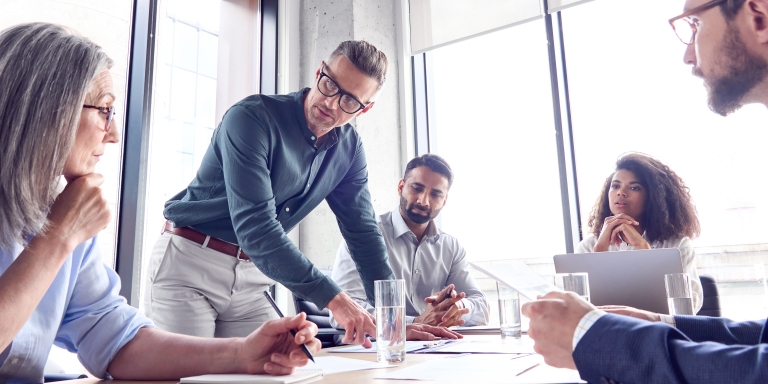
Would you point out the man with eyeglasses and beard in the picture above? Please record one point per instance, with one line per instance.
(428, 259)
(727, 45)
(271, 161)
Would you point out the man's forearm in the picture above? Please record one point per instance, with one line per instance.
(158, 355)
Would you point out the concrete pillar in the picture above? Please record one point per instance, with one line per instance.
(324, 24)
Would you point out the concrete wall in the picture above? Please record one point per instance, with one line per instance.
(323, 25)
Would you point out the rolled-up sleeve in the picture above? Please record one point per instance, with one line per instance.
(242, 146)
(350, 201)
(98, 321)
(479, 309)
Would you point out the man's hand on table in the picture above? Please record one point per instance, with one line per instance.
(429, 332)
(354, 319)
(554, 318)
(272, 349)
(444, 311)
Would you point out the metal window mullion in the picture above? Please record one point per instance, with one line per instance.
(420, 104)
(560, 108)
(131, 201)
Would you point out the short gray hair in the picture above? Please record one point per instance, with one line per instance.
(365, 57)
(46, 72)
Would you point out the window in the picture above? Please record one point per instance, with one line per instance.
(193, 50)
(492, 121)
(631, 91)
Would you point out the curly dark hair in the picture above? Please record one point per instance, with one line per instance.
(669, 211)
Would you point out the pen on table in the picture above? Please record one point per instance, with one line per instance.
(303, 347)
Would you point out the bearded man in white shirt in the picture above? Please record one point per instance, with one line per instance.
(439, 288)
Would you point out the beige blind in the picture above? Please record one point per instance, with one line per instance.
(559, 5)
(436, 23)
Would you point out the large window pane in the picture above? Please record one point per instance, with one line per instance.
(185, 107)
(493, 123)
(631, 91)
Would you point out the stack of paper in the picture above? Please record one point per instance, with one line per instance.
(313, 371)
(465, 368)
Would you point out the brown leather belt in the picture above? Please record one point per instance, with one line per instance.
(212, 242)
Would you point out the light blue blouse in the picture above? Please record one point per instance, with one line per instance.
(82, 312)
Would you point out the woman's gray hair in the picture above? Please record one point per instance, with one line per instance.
(46, 72)
(365, 57)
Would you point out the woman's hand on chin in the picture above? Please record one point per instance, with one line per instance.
(79, 212)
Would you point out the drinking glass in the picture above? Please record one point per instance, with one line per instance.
(679, 299)
(574, 282)
(509, 312)
(390, 320)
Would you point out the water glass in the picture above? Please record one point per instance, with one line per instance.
(390, 320)
(574, 282)
(679, 298)
(509, 312)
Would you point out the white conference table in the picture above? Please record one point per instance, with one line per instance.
(541, 373)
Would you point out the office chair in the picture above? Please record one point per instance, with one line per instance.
(322, 318)
(711, 300)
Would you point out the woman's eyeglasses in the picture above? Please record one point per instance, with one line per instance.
(108, 111)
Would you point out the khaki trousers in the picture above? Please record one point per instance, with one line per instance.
(201, 292)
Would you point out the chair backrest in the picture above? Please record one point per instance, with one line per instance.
(711, 300)
(321, 317)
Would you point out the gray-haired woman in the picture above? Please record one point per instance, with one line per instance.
(56, 117)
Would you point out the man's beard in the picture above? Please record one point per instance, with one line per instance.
(415, 217)
(745, 70)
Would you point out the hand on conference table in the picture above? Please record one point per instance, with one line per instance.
(443, 311)
(429, 332)
(79, 212)
(620, 228)
(272, 349)
(354, 319)
(554, 318)
(631, 312)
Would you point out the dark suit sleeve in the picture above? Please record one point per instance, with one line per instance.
(720, 330)
(629, 350)
(350, 201)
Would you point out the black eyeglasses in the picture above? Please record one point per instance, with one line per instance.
(685, 28)
(328, 87)
(108, 111)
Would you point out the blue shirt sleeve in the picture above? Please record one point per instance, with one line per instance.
(98, 321)
(350, 201)
(242, 146)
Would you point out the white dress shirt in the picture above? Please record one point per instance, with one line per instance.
(687, 255)
(426, 267)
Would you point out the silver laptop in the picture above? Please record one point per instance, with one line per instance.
(633, 278)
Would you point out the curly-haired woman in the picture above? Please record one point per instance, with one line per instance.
(645, 205)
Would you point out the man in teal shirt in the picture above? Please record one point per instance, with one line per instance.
(271, 161)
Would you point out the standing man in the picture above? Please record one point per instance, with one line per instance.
(428, 259)
(271, 161)
(728, 48)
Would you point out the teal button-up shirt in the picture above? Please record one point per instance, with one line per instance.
(263, 173)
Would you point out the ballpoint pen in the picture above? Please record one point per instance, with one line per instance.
(303, 347)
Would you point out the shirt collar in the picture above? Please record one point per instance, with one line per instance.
(331, 138)
(400, 227)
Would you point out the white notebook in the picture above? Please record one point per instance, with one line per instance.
(302, 375)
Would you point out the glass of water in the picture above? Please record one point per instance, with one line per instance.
(390, 320)
(577, 283)
(509, 312)
(679, 299)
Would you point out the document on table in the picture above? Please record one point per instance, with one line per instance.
(410, 346)
(333, 364)
(509, 346)
(519, 277)
(298, 377)
(326, 365)
(455, 369)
